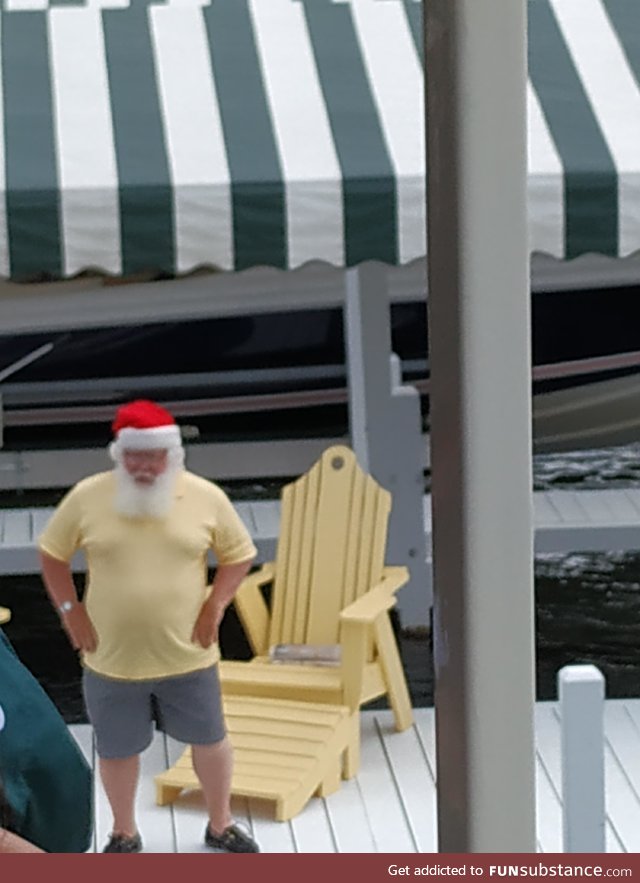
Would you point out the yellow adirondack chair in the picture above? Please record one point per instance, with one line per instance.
(295, 728)
(329, 586)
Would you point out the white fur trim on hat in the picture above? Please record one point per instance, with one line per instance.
(157, 437)
(130, 439)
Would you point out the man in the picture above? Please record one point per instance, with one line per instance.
(148, 626)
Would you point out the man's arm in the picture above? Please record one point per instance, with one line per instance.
(225, 584)
(75, 620)
(12, 843)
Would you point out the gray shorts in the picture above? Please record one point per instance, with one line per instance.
(187, 707)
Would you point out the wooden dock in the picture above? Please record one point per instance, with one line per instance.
(391, 805)
(564, 521)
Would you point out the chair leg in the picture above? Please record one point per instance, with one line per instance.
(393, 673)
(331, 781)
(166, 794)
(351, 757)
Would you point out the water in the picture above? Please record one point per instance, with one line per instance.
(588, 470)
(587, 605)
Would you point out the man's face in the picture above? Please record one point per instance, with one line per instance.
(145, 466)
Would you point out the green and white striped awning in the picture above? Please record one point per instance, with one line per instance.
(162, 136)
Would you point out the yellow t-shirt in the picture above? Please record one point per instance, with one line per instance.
(146, 576)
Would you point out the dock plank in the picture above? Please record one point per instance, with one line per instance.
(621, 505)
(245, 511)
(612, 841)
(623, 737)
(568, 506)
(311, 829)
(564, 521)
(412, 773)
(633, 496)
(272, 836)
(17, 528)
(544, 510)
(386, 813)
(39, 519)
(549, 811)
(425, 727)
(381, 807)
(266, 517)
(623, 809)
(598, 507)
(622, 730)
(347, 813)
(547, 728)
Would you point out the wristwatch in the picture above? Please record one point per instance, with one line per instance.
(65, 607)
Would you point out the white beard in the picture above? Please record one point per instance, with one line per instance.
(145, 500)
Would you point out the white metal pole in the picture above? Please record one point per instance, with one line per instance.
(480, 424)
(581, 695)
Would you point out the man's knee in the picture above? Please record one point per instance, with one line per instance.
(218, 747)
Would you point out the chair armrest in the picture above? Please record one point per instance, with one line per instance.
(367, 608)
(356, 621)
(378, 599)
(356, 631)
(393, 578)
(252, 609)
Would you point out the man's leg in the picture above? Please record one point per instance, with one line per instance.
(120, 780)
(190, 710)
(120, 712)
(213, 765)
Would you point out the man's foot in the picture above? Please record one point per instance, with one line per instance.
(233, 839)
(122, 843)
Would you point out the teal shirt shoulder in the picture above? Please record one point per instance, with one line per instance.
(46, 779)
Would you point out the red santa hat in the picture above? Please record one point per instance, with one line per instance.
(144, 425)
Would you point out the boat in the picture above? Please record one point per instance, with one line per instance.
(224, 367)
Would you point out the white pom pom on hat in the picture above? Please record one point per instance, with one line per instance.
(143, 425)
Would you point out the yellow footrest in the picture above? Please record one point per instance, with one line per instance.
(283, 751)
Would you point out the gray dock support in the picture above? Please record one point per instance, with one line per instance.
(480, 415)
(581, 692)
(386, 431)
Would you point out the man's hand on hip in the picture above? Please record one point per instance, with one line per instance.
(205, 631)
(79, 629)
(225, 585)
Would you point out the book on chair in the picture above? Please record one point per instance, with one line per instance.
(309, 654)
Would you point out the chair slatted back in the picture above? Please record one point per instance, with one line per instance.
(331, 548)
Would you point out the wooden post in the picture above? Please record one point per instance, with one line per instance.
(581, 691)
